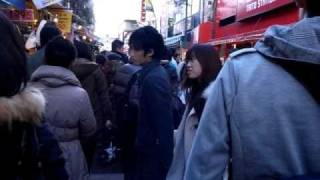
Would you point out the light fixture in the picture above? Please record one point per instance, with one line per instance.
(56, 20)
(79, 27)
(84, 37)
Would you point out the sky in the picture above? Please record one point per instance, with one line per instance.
(109, 15)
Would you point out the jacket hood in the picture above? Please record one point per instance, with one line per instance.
(54, 76)
(27, 106)
(299, 42)
(82, 68)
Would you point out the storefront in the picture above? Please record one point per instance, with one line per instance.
(240, 24)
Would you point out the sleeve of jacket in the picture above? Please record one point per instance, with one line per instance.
(51, 155)
(103, 94)
(159, 108)
(209, 156)
(88, 124)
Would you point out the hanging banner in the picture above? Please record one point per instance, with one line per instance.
(249, 8)
(44, 3)
(19, 15)
(64, 19)
(20, 4)
(143, 11)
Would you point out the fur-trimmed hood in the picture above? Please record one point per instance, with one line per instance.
(27, 106)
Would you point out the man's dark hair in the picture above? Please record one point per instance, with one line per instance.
(148, 38)
(313, 8)
(114, 56)
(48, 32)
(13, 71)
(84, 50)
(116, 44)
(60, 52)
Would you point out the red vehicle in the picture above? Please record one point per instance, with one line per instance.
(239, 24)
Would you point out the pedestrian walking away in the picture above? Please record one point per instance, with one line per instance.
(28, 149)
(68, 112)
(262, 115)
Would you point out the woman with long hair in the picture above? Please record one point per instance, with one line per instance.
(28, 150)
(202, 67)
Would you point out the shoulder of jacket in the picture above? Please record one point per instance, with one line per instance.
(242, 52)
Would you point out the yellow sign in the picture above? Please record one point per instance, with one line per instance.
(64, 19)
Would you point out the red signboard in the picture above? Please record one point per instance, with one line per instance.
(249, 8)
(227, 8)
(19, 15)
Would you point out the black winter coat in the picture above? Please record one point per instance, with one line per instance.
(28, 149)
(154, 141)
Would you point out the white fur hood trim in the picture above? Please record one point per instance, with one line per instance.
(27, 106)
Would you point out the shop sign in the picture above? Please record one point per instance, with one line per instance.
(44, 3)
(249, 8)
(227, 8)
(19, 15)
(64, 19)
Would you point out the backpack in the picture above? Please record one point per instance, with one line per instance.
(20, 152)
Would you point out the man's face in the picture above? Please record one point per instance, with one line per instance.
(121, 49)
(139, 57)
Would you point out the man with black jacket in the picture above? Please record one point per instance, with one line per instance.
(117, 48)
(154, 139)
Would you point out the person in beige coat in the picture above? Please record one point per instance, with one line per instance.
(203, 66)
(68, 110)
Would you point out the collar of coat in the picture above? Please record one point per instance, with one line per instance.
(55, 76)
(147, 68)
(26, 106)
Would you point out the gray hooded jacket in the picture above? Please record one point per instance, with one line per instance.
(68, 113)
(262, 116)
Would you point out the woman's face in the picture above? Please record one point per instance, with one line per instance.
(194, 68)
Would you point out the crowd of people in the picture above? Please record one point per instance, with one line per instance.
(254, 117)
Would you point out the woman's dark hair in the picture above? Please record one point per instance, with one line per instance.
(211, 65)
(13, 71)
(84, 50)
(148, 38)
(60, 52)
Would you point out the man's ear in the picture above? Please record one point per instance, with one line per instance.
(301, 3)
(150, 53)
